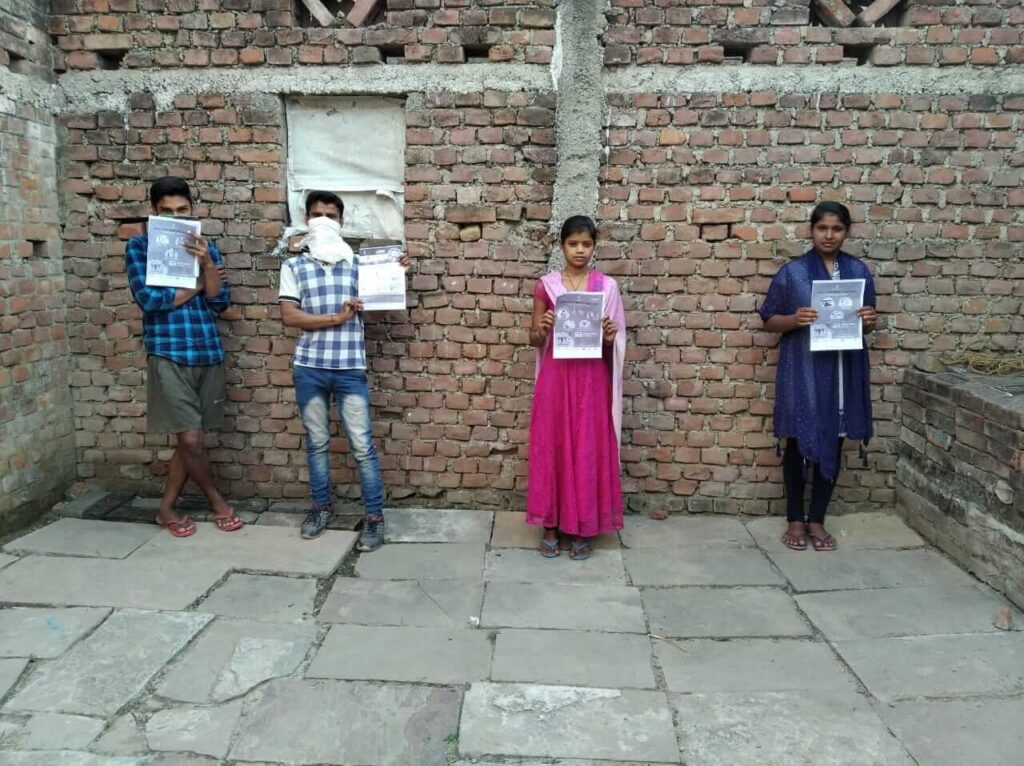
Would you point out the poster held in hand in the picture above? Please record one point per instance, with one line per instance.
(578, 333)
(168, 263)
(838, 326)
(381, 278)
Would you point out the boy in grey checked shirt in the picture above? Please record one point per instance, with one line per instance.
(319, 295)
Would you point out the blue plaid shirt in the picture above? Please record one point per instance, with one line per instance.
(186, 334)
(320, 288)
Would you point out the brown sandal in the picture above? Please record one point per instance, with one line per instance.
(795, 542)
(825, 544)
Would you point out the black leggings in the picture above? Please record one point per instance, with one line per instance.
(793, 475)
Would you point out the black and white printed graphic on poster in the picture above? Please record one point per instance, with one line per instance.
(577, 333)
(381, 278)
(168, 263)
(838, 326)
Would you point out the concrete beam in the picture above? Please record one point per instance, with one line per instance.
(109, 90)
(990, 81)
(24, 89)
(577, 68)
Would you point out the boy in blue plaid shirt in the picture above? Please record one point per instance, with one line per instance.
(185, 365)
(318, 293)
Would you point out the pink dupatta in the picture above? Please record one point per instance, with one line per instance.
(613, 309)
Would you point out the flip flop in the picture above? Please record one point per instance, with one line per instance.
(184, 528)
(549, 548)
(800, 546)
(228, 523)
(826, 544)
(580, 550)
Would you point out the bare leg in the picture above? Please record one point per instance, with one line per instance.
(193, 456)
(176, 478)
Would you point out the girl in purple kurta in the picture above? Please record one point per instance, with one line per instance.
(821, 398)
(574, 484)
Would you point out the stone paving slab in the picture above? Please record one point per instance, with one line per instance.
(417, 603)
(10, 672)
(750, 665)
(137, 583)
(512, 531)
(92, 679)
(85, 537)
(938, 666)
(612, 660)
(5, 560)
(44, 633)
(203, 730)
(69, 758)
(931, 610)
(55, 731)
(852, 569)
(424, 561)
(684, 531)
(262, 549)
(279, 519)
(612, 608)
(711, 565)
(567, 722)
(975, 732)
(233, 656)
(123, 737)
(419, 525)
(553, 762)
(516, 565)
(416, 655)
(722, 613)
(354, 723)
(263, 597)
(854, 531)
(809, 728)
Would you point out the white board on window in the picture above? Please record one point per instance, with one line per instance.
(354, 146)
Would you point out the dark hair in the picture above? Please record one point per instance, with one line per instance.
(327, 198)
(576, 224)
(169, 186)
(823, 209)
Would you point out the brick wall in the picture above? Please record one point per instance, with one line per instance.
(451, 379)
(705, 195)
(961, 471)
(925, 33)
(37, 448)
(24, 40)
(202, 33)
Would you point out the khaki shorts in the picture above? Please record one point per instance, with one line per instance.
(183, 397)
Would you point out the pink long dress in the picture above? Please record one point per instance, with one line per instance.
(574, 481)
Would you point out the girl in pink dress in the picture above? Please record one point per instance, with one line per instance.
(574, 485)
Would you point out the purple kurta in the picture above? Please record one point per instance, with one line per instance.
(806, 383)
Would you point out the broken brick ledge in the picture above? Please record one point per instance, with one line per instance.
(960, 472)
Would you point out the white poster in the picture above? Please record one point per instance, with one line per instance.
(381, 278)
(168, 263)
(578, 333)
(838, 326)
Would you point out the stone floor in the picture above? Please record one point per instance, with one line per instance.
(698, 641)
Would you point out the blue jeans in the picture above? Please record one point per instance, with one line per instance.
(313, 389)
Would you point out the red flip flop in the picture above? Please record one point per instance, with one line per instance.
(228, 523)
(184, 528)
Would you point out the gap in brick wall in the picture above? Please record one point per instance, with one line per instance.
(736, 53)
(862, 53)
(40, 248)
(392, 54)
(477, 53)
(110, 59)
